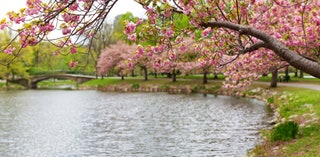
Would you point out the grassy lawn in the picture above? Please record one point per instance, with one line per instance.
(193, 84)
(151, 81)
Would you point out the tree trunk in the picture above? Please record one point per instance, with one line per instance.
(205, 79)
(274, 79)
(215, 76)
(97, 75)
(132, 73)
(7, 84)
(122, 77)
(155, 73)
(301, 74)
(145, 73)
(296, 73)
(174, 76)
(287, 71)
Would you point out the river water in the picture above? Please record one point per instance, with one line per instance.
(40, 123)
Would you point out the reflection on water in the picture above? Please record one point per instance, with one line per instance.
(91, 123)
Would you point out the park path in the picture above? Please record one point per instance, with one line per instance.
(298, 85)
(301, 85)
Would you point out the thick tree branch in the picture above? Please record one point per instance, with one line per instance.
(292, 57)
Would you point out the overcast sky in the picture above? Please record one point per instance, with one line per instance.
(121, 7)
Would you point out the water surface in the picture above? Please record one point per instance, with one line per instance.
(91, 123)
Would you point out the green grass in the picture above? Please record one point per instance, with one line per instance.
(301, 104)
(296, 101)
(102, 82)
(195, 85)
(151, 81)
(52, 83)
(285, 131)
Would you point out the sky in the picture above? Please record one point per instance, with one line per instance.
(122, 6)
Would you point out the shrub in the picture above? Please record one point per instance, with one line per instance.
(285, 131)
(135, 86)
(270, 100)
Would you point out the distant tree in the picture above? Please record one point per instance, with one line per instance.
(18, 62)
(116, 56)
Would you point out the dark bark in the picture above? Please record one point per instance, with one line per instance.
(155, 73)
(293, 58)
(145, 73)
(205, 79)
(286, 71)
(215, 76)
(174, 76)
(296, 73)
(274, 79)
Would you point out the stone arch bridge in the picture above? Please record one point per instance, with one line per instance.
(32, 82)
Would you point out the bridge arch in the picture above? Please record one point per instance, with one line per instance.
(32, 83)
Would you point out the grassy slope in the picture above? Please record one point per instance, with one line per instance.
(302, 106)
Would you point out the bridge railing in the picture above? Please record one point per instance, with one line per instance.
(53, 72)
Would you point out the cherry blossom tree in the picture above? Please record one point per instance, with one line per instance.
(116, 56)
(248, 32)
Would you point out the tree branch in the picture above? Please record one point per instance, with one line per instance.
(252, 47)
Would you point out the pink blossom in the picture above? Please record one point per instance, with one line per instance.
(73, 50)
(66, 30)
(157, 62)
(72, 64)
(169, 33)
(140, 50)
(74, 7)
(46, 28)
(172, 56)
(129, 63)
(132, 37)
(3, 24)
(15, 17)
(167, 12)
(130, 28)
(139, 22)
(206, 32)
(183, 47)
(9, 49)
(56, 53)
